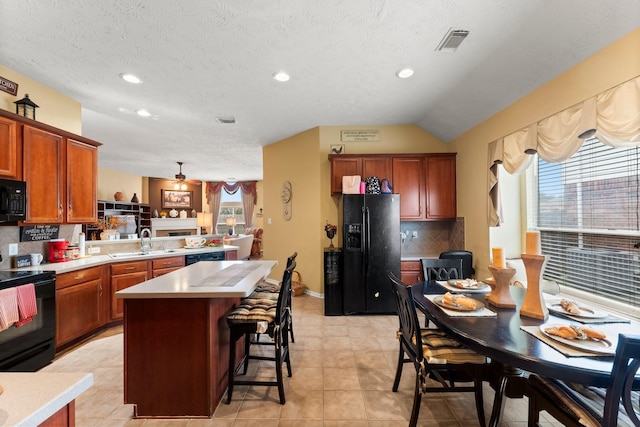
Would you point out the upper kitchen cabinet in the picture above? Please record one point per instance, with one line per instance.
(426, 182)
(43, 170)
(440, 174)
(82, 182)
(364, 166)
(9, 150)
(408, 181)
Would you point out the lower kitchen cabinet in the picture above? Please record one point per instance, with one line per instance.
(124, 275)
(230, 255)
(166, 265)
(81, 303)
(411, 272)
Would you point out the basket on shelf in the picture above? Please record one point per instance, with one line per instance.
(296, 284)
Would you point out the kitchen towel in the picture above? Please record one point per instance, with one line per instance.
(483, 312)
(27, 307)
(8, 308)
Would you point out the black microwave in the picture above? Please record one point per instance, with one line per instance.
(13, 200)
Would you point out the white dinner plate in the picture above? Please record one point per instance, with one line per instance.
(585, 311)
(599, 347)
(439, 301)
(475, 286)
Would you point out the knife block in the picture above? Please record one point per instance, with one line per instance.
(533, 304)
(500, 295)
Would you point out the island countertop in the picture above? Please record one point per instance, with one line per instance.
(29, 398)
(205, 279)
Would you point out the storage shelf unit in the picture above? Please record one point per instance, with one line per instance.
(141, 211)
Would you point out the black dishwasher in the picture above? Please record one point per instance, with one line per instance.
(207, 256)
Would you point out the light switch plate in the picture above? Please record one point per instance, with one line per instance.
(13, 249)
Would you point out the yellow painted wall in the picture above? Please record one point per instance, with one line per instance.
(111, 181)
(55, 109)
(611, 66)
(295, 159)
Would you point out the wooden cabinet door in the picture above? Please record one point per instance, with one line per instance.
(347, 166)
(43, 162)
(77, 310)
(119, 282)
(124, 275)
(410, 272)
(9, 162)
(82, 183)
(230, 255)
(376, 166)
(408, 181)
(441, 187)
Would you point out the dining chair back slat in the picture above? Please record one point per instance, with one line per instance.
(441, 269)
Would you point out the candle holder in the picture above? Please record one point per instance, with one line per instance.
(533, 304)
(500, 295)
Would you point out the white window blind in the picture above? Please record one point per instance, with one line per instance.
(587, 209)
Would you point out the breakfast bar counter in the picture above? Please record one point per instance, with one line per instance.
(176, 339)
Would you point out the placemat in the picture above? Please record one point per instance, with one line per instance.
(564, 349)
(483, 312)
(452, 288)
(554, 299)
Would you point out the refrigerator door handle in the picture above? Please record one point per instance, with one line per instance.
(362, 243)
(367, 242)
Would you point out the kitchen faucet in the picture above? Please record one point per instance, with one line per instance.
(145, 245)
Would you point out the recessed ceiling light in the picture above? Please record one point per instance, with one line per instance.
(281, 76)
(404, 73)
(144, 113)
(130, 78)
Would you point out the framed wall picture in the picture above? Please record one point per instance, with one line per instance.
(176, 199)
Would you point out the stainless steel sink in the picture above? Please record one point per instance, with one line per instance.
(139, 254)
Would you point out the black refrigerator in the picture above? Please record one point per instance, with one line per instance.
(371, 249)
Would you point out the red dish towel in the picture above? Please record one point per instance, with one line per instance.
(26, 303)
(8, 307)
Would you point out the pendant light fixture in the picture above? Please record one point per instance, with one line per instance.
(180, 180)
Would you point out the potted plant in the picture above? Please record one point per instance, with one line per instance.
(109, 226)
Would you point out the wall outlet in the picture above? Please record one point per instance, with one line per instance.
(268, 220)
(93, 250)
(13, 249)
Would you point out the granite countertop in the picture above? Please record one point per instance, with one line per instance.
(206, 279)
(29, 398)
(96, 260)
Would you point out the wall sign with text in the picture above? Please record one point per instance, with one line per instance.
(360, 135)
(37, 233)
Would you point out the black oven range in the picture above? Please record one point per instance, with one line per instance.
(32, 346)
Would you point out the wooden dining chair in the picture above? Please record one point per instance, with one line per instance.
(579, 405)
(254, 316)
(271, 291)
(434, 355)
(441, 269)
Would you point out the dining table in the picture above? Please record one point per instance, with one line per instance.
(514, 345)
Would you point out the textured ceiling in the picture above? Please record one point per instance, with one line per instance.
(200, 59)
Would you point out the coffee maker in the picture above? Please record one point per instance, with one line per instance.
(57, 251)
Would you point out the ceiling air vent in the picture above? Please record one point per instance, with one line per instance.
(452, 40)
(226, 120)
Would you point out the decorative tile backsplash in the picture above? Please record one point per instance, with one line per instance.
(433, 238)
(10, 234)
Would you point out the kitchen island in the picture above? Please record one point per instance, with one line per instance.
(176, 339)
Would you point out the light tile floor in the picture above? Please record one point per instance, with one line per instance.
(343, 370)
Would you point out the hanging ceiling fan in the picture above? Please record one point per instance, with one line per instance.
(180, 183)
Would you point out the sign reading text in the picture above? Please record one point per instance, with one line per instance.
(37, 233)
(8, 86)
(361, 135)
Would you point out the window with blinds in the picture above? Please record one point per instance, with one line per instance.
(588, 212)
